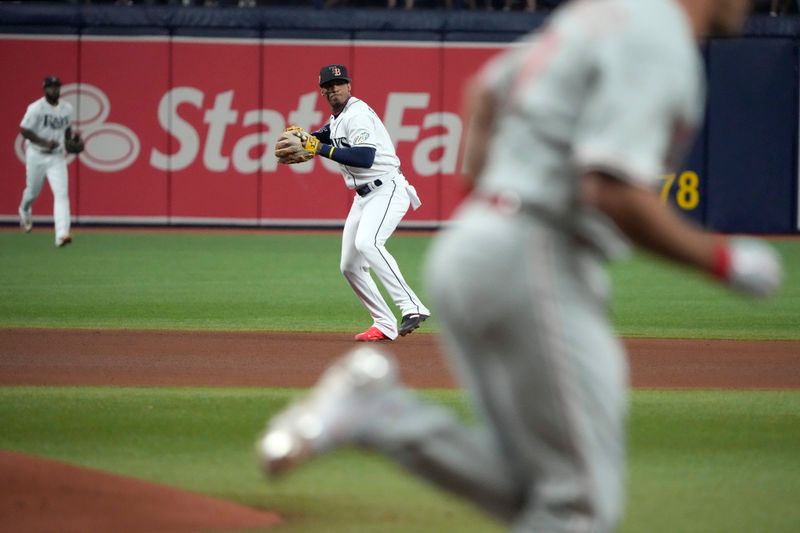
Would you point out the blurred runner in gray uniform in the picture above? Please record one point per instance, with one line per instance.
(568, 136)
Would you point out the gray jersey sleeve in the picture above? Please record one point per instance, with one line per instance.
(499, 73)
(637, 107)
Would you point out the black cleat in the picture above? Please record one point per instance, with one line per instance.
(411, 322)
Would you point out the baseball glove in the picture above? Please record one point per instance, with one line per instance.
(295, 145)
(73, 144)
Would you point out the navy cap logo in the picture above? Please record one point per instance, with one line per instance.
(333, 72)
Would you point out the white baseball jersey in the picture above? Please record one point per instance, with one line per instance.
(373, 218)
(47, 121)
(610, 85)
(359, 125)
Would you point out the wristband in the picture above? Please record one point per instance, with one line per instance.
(721, 261)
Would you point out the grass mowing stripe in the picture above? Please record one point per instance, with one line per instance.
(714, 461)
(275, 282)
(655, 299)
(186, 281)
(699, 460)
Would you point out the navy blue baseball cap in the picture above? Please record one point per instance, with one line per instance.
(333, 72)
(51, 80)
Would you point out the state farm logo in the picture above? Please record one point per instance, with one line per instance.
(109, 147)
(209, 129)
(217, 132)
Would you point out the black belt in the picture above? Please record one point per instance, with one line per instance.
(368, 188)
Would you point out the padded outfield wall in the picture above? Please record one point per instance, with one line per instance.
(180, 108)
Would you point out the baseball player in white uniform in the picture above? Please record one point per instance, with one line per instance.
(45, 127)
(356, 138)
(567, 137)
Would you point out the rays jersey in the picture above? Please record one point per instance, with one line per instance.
(47, 121)
(359, 125)
(576, 99)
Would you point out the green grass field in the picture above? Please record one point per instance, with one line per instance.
(291, 282)
(700, 461)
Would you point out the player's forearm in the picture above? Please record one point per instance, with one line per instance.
(35, 139)
(654, 226)
(746, 265)
(357, 156)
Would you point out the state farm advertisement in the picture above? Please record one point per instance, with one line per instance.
(182, 130)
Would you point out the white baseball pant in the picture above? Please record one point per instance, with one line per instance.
(371, 221)
(54, 167)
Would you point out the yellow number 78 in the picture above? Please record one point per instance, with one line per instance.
(687, 197)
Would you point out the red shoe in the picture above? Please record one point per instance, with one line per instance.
(373, 334)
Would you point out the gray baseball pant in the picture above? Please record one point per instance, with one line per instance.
(525, 323)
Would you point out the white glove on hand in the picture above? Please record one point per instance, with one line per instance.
(749, 266)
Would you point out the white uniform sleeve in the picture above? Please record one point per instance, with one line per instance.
(626, 126)
(30, 118)
(361, 130)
